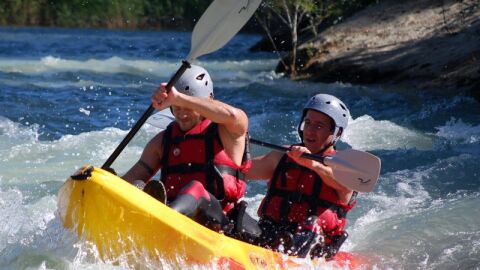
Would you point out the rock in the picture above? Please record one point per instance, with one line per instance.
(426, 44)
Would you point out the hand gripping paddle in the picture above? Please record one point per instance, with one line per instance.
(218, 24)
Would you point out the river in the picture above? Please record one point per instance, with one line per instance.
(68, 96)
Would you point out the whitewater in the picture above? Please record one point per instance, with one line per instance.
(69, 96)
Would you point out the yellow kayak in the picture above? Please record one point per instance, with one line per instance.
(123, 221)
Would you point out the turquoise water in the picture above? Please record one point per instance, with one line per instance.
(67, 98)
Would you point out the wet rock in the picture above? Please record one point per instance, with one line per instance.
(428, 44)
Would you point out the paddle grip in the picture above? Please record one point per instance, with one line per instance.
(285, 149)
(143, 119)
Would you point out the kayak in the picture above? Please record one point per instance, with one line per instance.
(122, 221)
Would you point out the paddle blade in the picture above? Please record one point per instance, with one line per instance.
(161, 119)
(355, 169)
(220, 22)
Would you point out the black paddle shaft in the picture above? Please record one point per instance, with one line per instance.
(285, 149)
(143, 119)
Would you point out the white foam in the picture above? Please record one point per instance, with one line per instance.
(446, 104)
(110, 65)
(76, 84)
(229, 74)
(21, 222)
(222, 69)
(405, 206)
(84, 111)
(366, 133)
(457, 130)
(240, 73)
(12, 133)
(25, 158)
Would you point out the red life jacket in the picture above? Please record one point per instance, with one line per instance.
(296, 193)
(198, 154)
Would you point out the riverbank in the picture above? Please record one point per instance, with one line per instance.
(114, 14)
(428, 44)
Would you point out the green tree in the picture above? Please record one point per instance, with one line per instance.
(291, 13)
(300, 17)
(101, 13)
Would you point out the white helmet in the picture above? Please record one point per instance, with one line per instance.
(331, 106)
(195, 81)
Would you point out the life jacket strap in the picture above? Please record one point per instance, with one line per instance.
(237, 173)
(186, 168)
(297, 197)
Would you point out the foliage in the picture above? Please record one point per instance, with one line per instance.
(299, 16)
(311, 50)
(291, 13)
(102, 13)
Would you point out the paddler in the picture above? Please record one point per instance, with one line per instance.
(304, 210)
(203, 154)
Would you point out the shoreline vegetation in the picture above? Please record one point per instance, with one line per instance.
(409, 45)
(428, 45)
(113, 14)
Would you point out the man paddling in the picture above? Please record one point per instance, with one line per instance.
(304, 200)
(203, 154)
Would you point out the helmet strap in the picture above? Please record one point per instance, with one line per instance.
(334, 141)
(337, 134)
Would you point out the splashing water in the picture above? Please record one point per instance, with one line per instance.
(68, 97)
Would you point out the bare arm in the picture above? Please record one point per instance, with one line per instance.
(264, 166)
(149, 163)
(233, 122)
(233, 119)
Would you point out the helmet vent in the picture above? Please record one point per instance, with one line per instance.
(187, 88)
(328, 102)
(206, 83)
(200, 77)
(343, 107)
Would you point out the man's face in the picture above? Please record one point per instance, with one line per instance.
(317, 133)
(186, 118)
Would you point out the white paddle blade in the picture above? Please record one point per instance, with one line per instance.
(161, 119)
(356, 170)
(218, 24)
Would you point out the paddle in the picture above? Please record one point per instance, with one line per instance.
(357, 170)
(218, 24)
